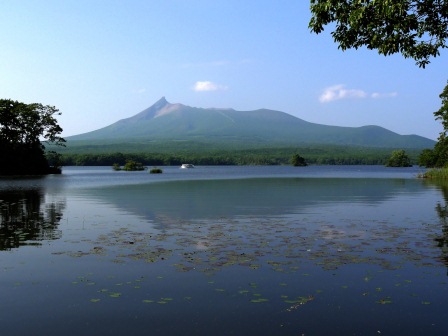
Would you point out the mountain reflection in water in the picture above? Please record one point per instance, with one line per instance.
(224, 251)
(204, 199)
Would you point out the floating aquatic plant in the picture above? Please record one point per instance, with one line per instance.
(384, 301)
(260, 300)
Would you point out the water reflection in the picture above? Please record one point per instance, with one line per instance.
(26, 218)
(231, 257)
(442, 212)
(169, 201)
(333, 222)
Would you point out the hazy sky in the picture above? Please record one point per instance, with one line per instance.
(99, 61)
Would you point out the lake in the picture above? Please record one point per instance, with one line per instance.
(319, 250)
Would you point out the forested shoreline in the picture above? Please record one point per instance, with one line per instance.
(274, 156)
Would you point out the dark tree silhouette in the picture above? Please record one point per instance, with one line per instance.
(23, 129)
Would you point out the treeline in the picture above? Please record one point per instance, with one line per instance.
(272, 156)
(167, 160)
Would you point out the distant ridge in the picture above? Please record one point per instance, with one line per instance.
(164, 121)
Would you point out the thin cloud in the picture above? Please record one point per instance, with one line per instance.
(338, 92)
(208, 86)
(377, 95)
(218, 63)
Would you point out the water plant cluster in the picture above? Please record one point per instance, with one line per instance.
(302, 256)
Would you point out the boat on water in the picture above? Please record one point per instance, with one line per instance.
(187, 165)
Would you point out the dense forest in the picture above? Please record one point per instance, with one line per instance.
(328, 155)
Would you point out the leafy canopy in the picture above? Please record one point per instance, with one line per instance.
(416, 29)
(298, 161)
(442, 113)
(27, 124)
(438, 157)
(23, 127)
(133, 165)
(399, 158)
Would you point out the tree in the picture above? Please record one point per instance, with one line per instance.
(399, 158)
(23, 129)
(441, 147)
(417, 29)
(133, 166)
(298, 161)
(438, 157)
(427, 158)
(442, 113)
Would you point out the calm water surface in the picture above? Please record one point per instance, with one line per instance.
(334, 250)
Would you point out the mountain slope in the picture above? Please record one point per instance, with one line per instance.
(173, 122)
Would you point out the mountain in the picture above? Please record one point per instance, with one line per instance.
(176, 122)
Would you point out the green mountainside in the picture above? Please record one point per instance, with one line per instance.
(178, 125)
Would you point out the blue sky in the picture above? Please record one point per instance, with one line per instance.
(99, 61)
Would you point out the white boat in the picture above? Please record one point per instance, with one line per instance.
(187, 165)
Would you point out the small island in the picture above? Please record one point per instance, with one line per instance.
(399, 158)
(130, 165)
(156, 170)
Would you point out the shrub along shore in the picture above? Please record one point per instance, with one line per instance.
(436, 174)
